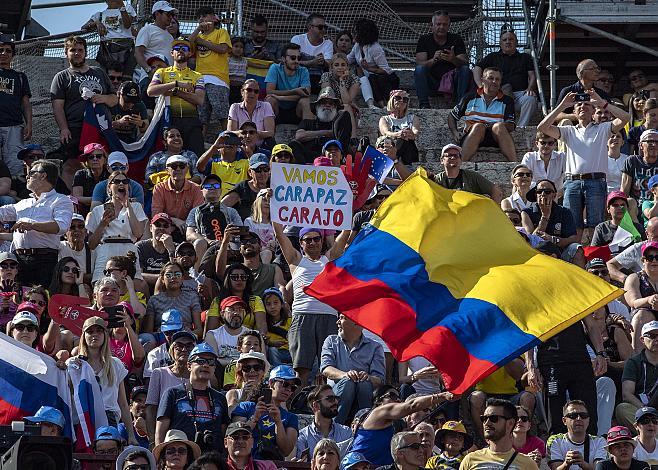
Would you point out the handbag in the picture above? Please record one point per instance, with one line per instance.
(446, 83)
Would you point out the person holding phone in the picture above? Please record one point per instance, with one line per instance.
(115, 226)
(129, 116)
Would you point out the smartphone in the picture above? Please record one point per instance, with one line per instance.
(113, 320)
(581, 97)
(244, 232)
(108, 206)
(266, 394)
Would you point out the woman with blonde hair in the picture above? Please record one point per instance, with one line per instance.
(250, 371)
(326, 455)
(109, 370)
(401, 126)
(261, 224)
(521, 183)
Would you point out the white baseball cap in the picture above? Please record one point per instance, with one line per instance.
(651, 326)
(117, 157)
(162, 5)
(176, 159)
(451, 146)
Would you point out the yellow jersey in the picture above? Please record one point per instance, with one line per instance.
(179, 107)
(210, 62)
(230, 173)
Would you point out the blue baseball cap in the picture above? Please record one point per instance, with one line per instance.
(351, 459)
(284, 372)
(653, 181)
(47, 414)
(258, 160)
(645, 410)
(24, 152)
(272, 291)
(202, 348)
(172, 320)
(108, 433)
(334, 142)
(230, 138)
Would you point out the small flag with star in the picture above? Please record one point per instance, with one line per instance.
(381, 164)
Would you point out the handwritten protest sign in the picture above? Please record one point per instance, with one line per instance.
(310, 196)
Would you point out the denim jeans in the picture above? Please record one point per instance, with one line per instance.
(352, 393)
(278, 356)
(11, 141)
(427, 85)
(589, 194)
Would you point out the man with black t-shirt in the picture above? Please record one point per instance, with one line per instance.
(564, 366)
(15, 108)
(438, 53)
(196, 408)
(158, 250)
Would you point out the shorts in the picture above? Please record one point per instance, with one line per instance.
(514, 398)
(215, 105)
(306, 336)
(488, 141)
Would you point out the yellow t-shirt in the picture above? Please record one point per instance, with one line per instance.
(255, 306)
(178, 106)
(142, 300)
(498, 383)
(213, 63)
(230, 173)
(486, 459)
(286, 326)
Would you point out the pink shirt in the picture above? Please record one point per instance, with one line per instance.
(533, 443)
(122, 351)
(238, 112)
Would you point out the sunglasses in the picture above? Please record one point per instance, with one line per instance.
(40, 303)
(248, 241)
(287, 385)
(212, 186)
(316, 239)
(547, 142)
(31, 173)
(524, 419)
(22, 327)
(118, 167)
(115, 78)
(181, 48)
(293, 57)
(171, 275)
(578, 415)
(262, 169)
(620, 433)
(414, 446)
(183, 346)
(95, 156)
(204, 362)
(650, 258)
(8, 265)
(176, 450)
(523, 173)
(118, 181)
(238, 277)
(600, 272)
(68, 269)
(162, 224)
(108, 272)
(493, 418)
(403, 98)
(254, 90)
(252, 368)
(177, 166)
(648, 420)
(545, 191)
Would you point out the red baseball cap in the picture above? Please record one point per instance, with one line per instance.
(647, 245)
(161, 215)
(616, 195)
(232, 300)
(90, 148)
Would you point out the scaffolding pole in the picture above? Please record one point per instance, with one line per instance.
(535, 59)
(552, 65)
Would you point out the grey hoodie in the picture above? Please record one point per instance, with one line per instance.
(122, 456)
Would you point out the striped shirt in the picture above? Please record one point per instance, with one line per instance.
(473, 108)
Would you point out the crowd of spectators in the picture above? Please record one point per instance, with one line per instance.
(219, 358)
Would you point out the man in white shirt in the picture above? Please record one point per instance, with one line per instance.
(546, 162)
(154, 39)
(40, 222)
(224, 340)
(646, 423)
(114, 26)
(316, 49)
(586, 155)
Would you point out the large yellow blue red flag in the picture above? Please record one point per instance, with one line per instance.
(443, 274)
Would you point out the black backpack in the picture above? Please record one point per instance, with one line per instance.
(210, 221)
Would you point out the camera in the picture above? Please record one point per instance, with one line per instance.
(582, 97)
(205, 439)
(113, 320)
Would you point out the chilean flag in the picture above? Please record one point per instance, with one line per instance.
(28, 380)
(88, 402)
(97, 128)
